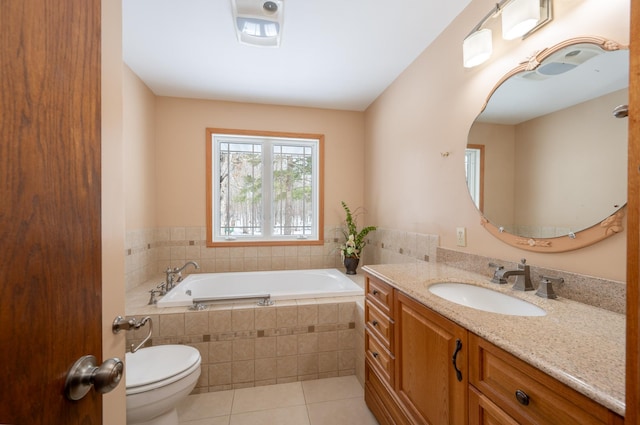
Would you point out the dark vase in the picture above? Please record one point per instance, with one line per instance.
(351, 264)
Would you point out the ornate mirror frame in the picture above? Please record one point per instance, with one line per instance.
(607, 227)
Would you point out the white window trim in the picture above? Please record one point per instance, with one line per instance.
(217, 136)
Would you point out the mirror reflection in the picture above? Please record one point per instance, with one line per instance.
(547, 157)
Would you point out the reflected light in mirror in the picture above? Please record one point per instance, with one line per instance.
(519, 17)
(477, 48)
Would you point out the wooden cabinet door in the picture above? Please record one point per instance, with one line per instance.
(426, 380)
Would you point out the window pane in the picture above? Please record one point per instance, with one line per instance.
(240, 189)
(472, 169)
(292, 190)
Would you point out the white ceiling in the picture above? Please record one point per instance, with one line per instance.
(337, 54)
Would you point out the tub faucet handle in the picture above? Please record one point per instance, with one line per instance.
(153, 299)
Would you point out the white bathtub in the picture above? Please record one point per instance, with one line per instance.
(278, 285)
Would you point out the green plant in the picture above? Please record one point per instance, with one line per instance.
(355, 240)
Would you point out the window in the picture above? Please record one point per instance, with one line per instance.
(264, 188)
(474, 169)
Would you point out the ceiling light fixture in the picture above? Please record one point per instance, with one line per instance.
(258, 22)
(520, 18)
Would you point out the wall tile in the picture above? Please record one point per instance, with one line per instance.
(220, 374)
(265, 347)
(327, 313)
(243, 320)
(286, 367)
(265, 369)
(243, 371)
(220, 352)
(219, 321)
(286, 345)
(243, 349)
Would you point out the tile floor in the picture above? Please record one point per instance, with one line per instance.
(330, 401)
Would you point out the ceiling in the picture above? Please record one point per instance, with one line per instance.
(335, 54)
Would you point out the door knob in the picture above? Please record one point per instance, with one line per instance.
(84, 374)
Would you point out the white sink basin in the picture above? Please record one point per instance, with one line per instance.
(484, 299)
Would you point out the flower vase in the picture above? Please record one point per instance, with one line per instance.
(351, 264)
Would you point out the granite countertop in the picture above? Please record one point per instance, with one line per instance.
(579, 345)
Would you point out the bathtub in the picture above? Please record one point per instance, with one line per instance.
(273, 285)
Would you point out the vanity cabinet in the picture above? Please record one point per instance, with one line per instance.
(507, 390)
(409, 374)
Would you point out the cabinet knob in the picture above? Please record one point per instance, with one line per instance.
(374, 323)
(374, 354)
(522, 397)
(375, 292)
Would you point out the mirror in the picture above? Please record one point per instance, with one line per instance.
(546, 158)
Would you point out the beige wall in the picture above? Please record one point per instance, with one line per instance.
(568, 157)
(429, 110)
(113, 216)
(139, 119)
(180, 152)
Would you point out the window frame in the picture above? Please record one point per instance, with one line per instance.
(210, 242)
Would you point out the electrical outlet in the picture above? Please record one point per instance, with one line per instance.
(461, 236)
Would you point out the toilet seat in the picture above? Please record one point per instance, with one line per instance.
(154, 367)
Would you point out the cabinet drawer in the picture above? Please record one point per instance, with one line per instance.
(379, 358)
(379, 324)
(524, 392)
(483, 412)
(380, 294)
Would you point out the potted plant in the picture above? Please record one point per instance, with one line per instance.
(354, 241)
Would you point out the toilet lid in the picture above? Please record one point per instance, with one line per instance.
(159, 363)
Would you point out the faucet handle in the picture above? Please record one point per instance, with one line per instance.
(162, 286)
(545, 289)
(153, 299)
(523, 264)
(496, 277)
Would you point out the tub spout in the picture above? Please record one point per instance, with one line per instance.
(171, 274)
(193, 263)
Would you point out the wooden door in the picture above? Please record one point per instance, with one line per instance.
(426, 381)
(50, 240)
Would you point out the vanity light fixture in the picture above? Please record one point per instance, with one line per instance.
(520, 18)
(258, 22)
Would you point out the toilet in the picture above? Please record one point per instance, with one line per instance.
(157, 379)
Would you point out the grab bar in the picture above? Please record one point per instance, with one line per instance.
(120, 323)
(265, 299)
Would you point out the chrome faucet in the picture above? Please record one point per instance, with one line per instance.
(171, 274)
(522, 274)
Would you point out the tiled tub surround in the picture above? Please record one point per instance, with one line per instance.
(244, 345)
(579, 345)
(603, 293)
(390, 246)
(148, 252)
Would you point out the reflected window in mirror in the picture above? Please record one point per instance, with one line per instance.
(474, 168)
